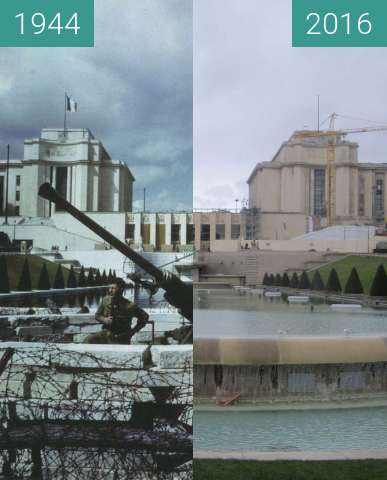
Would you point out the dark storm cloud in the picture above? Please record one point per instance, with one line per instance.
(252, 90)
(134, 90)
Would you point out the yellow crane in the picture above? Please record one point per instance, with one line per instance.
(332, 136)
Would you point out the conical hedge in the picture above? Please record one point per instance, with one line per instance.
(379, 283)
(304, 282)
(353, 284)
(59, 282)
(265, 279)
(44, 279)
(24, 284)
(90, 278)
(72, 279)
(333, 284)
(294, 281)
(110, 276)
(104, 278)
(285, 280)
(271, 279)
(317, 281)
(97, 279)
(277, 280)
(82, 278)
(4, 279)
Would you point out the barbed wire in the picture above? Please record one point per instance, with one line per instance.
(96, 414)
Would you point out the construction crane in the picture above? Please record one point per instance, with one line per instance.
(332, 136)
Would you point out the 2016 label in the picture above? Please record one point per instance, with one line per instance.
(330, 23)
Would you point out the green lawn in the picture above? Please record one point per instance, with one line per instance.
(290, 470)
(15, 265)
(365, 265)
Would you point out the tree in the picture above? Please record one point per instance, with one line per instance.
(59, 282)
(97, 279)
(110, 276)
(72, 279)
(333, 284)
(90, 278)
(4, 279)
(285, 280)
(294, 281)
(317, 281)
(24, 284)
(277, 280)
(271, 279)
(379, 283)
(353, 284)
(265, 279)
(304, 282)
(82, 279)
(44, 279)
(104, 278)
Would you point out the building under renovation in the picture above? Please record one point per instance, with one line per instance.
(292, 189)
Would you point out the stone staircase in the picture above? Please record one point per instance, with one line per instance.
(251, 269)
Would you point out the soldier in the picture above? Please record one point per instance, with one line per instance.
(116, 313)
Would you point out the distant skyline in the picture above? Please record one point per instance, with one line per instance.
(252, 90)
(134, 92)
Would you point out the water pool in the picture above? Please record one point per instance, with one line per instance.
(233, 314)
(291, 430)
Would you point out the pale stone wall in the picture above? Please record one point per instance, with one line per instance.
(95, 182)
(282, 226)
(337, 246)
(286, 183)
(167, 220)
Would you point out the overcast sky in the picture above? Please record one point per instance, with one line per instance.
(252, 90)
(134, 92)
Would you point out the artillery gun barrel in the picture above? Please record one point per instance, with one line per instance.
(177, 292)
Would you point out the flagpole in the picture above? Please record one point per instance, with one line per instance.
(65, 114)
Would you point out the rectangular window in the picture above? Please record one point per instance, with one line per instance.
(2, 199)
(129, 231)
(220, 231)
(361, 197)
(205, 232)
(17, 211)
(319, 207)
(175, 234)
(17, 196)
(190, 233)
(379, 200)
(250, 231)
(18, 180)
(235, 231)
(61, 182)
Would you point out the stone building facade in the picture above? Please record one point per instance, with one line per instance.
(76, 164)
(294, 183)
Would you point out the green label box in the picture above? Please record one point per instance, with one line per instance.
(47, 23)
(339, 23)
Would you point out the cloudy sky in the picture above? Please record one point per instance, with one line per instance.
(134, 91)
(252, 90)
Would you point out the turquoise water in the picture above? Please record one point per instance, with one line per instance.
(229, 313)
(296, 430)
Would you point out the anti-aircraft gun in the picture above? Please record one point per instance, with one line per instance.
(177, 293)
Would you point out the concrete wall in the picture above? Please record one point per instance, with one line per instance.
(113, 222)
(339, 246)
(239, 263)
(45, 236)
(291, 383)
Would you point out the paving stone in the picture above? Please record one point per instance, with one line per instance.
(33, 331)
(172, 356)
